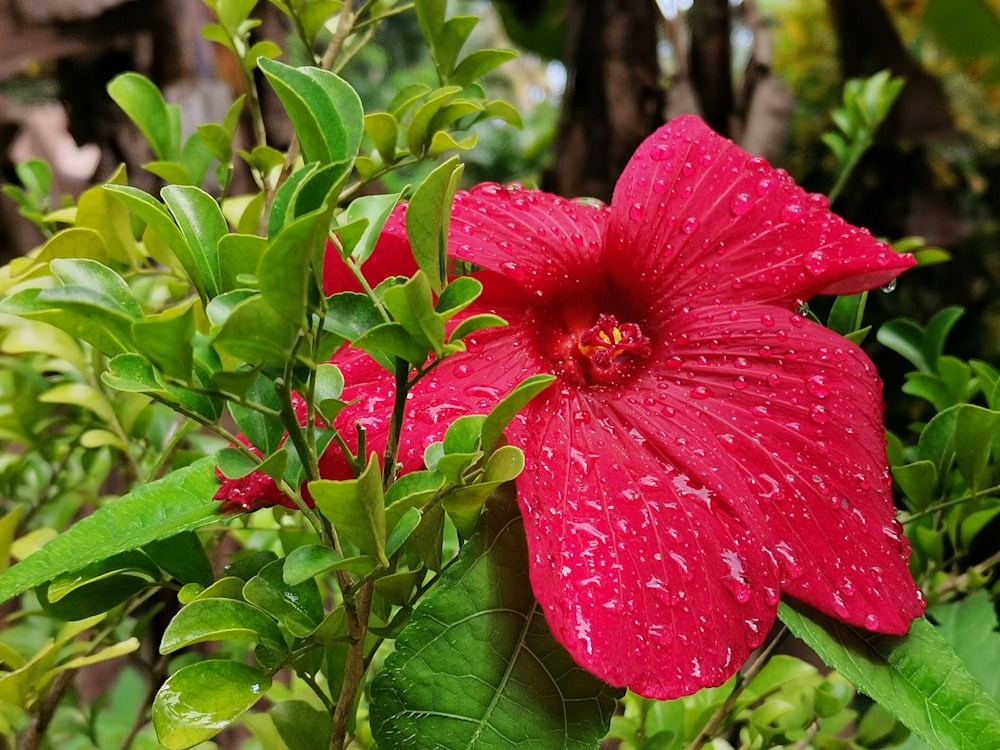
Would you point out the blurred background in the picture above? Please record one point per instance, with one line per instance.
(594, 78)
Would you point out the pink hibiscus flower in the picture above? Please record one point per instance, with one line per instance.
(706, 449)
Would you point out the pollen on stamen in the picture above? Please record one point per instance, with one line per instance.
(608, 351)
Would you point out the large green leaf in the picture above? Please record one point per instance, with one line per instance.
(325, 110)
(917, 678)
(200, 700)
(477, 667)
(181, 501)
(427, 221)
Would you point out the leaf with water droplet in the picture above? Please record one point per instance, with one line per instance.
(200, 700)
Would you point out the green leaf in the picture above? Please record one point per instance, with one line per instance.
(975, 429)
(324, 109)
(383, 129)
(498, 419)
(200, 700)
(298, 607)
(264, 432)
(905, 337)
(917, 678)
(376, 209)
(142, 101)
(165, 339)
(970, 627)
(202, 224)
(394, 340)
(181, 501)
(301, 726)
(312, 560)
(522, 691)
(918, 481)
(412, 305)
(356, 508)
(256, 333)
(283, 273)
(427, 219)
(220, 619)
(478, 64)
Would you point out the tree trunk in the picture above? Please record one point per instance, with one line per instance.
(613, 97)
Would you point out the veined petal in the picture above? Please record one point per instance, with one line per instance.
(546, 244)
(799, 411)
(694, 217)
(649, 578)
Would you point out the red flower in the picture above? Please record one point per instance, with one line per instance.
(705, 448)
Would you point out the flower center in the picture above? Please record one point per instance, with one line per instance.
(608, 351)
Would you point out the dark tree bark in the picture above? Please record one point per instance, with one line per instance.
(613, 97)
(867, 42)
(711, 62)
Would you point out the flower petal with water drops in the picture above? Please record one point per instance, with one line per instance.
(799, 410)
(694, 217)
(647, 577)
(547, 244)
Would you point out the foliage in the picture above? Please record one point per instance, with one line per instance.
(149, 332)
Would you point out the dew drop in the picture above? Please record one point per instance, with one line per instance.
(661, 151)
(740, 384)
(635, 212)
(816, 385)
(766, 186)
(700, 393)
(872, 622)
(793, 212)
(690, 225)
(767, 320)
(815, 262)
(462, 371)
(737, 283)
(819, 415)
(890, 287)
(740, 204)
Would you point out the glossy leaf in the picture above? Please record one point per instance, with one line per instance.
(524, 690)
(202, 224)
(917, 678)
(297, 606)
(427, 221)
(181, 501)
(356, 508)
(325, 111)
(158, 121)
(301, 726)
(200, 700)
(220, 619)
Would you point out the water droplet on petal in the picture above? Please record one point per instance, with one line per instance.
(635, 212)
(701, 392)
(819, 415)
(816, 385)
(740, 204)
(661, 151)
(766, 186)
(690, 225)
(793, 212)
(462, 371)
(815, 262)
(890, 287)
(872, 622)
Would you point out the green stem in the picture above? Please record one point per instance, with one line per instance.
(743, 680)
(396, 423)
(932, 509)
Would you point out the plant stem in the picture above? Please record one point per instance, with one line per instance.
(358, 609)
(396, 423)
(743, 680)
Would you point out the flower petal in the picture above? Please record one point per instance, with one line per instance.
(649, 578)
(695, 217)
(547, 244)
(799, 411)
